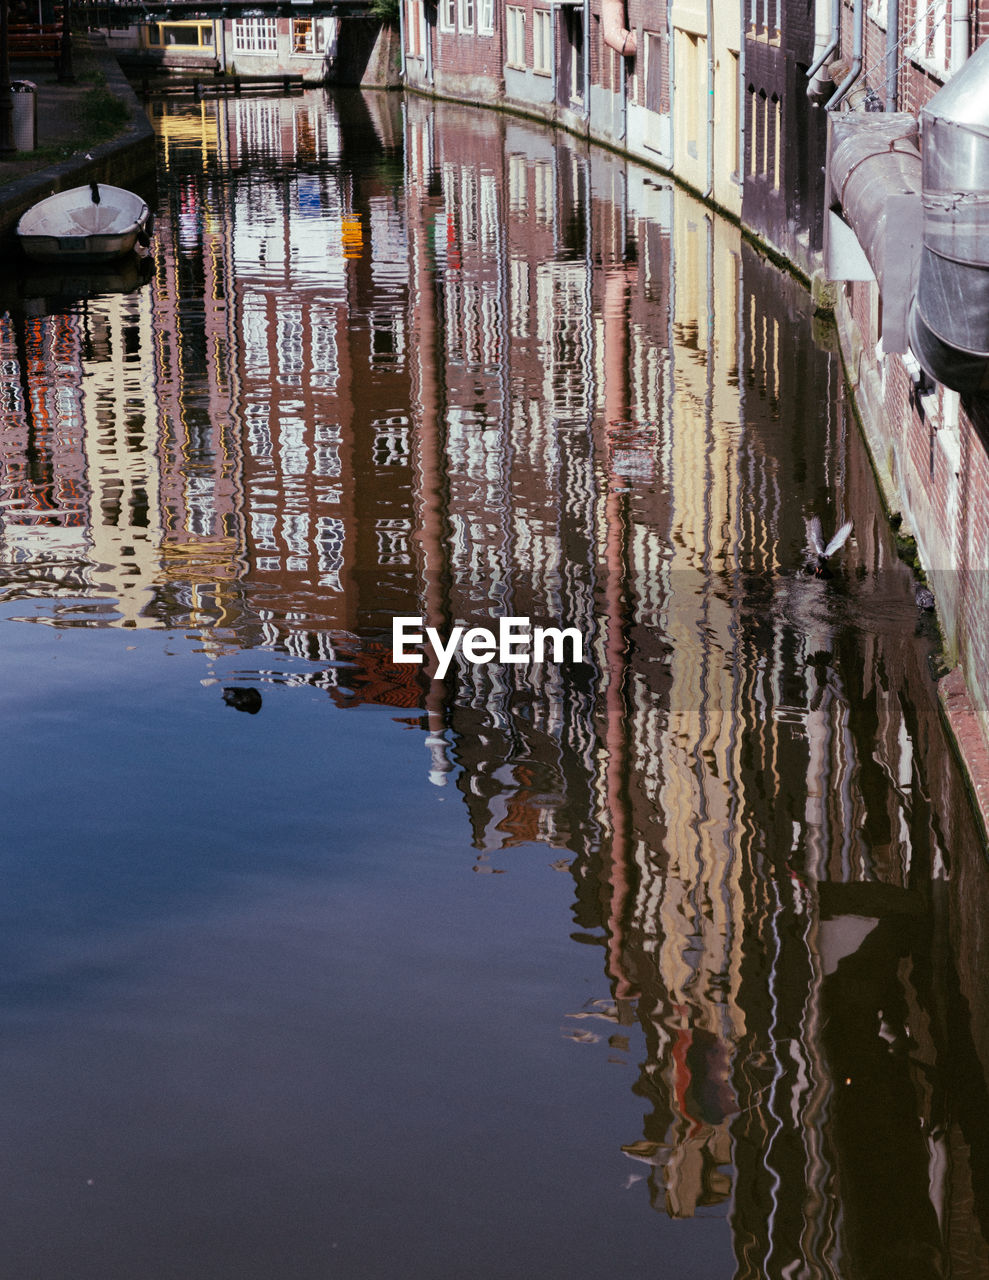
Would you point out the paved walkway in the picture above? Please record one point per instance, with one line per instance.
(65, 156)
(61, 128)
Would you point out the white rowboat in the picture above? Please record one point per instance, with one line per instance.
(94, 223)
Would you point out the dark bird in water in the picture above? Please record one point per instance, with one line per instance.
(925, 598)
(821, 552)
(248, 700)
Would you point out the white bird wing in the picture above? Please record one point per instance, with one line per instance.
(815, 538)
(839, 539)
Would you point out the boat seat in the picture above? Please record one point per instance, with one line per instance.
(96, 218)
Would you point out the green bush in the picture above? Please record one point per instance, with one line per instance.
(386, 10)
(105, 114)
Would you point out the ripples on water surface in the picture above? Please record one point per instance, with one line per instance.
(661, 964)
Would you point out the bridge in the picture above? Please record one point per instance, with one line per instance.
(134, 12)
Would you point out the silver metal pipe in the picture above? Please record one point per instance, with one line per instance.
(710, 99)
(858, 32)
(959, 34)
(949, 323)
(892, 61)
(827, 51)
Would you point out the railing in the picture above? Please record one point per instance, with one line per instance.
(34, 40)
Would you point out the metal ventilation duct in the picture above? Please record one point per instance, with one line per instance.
(949, 322)
(874, 172)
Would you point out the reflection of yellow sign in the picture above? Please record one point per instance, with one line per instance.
(352, 234)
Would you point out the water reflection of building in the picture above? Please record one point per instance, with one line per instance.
(727, 753)
(507, 378)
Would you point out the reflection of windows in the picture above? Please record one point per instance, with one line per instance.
(257, 126)
(255, 35)
(515, 36)
(543, 175)
(391, 443)
(470, 299)
(289, 340)
(518, 184)
(485, 17)
(292, 447)
(326, 449)
(295, 529)
(258, 431)
(468, 206)
(563, 329)
(518, 275)
(324, 363)
(329, 540)
(393, 541)
(199, 498)
(489, 212)
(255, 335)
(263, 530)
(542, 42)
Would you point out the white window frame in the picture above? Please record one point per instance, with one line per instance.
(485, 17)
(416, 28)
(313, 41)
(515, 36)
(255, 35)
(542, 42)
(448, 15)
(929, 48)
(466, 15)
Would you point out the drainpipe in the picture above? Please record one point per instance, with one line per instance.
(586, 41)
(616, 35)
(740, 141)
(959, 34)
(401, 38)
(710, 100)
(892, 61)
(856, 68)
(430, 28)
(826, 34)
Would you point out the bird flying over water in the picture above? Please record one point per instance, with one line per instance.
(821, 552)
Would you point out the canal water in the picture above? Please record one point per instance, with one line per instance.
(657, 958)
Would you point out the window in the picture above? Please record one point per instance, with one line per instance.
(416, 24)
(542, 42)
(515, 36)
(448, 15)
(575, 27)
(485, 17)
(255, 35)
(466, 15)
(196, 34)
(930, 45)
(306, 38)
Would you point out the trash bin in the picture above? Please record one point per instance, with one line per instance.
(24, 94)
